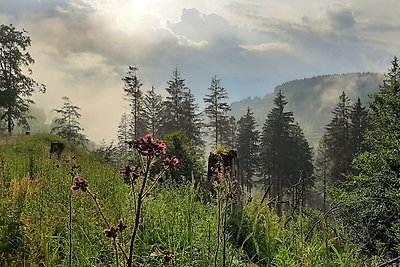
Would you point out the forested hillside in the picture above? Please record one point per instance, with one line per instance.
(313, 99)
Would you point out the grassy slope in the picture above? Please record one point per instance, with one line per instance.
(37, 188)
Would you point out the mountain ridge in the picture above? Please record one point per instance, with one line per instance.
(312, 99)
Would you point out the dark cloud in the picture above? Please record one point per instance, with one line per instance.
(340, 18)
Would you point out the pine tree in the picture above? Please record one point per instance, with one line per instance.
(134, 95)
(372, 205)
(322, 167)
(124, 134)
(338, 133)
(229, 133)
(301, 167)
(247, 148)
(285, 155)
(68, 125)
(153, 105)
(358, 127)
(217, 109)
(173, 104)
(274, 149)
(192, 121)
(16, 87)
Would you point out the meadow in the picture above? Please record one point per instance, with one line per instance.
(44, 223)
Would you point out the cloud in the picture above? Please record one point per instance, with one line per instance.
(341, 18)
(83, 48)
(263, 47)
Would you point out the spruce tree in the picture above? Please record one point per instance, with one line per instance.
(229, 133)
(285, 155)
(217, 109)
(247, 148)
(338, 133)
(180, 110)
(153, 109)
(173, 104)
(358, 127)
(192, 121)
(301, 168)
(372, 205)
(133, 94)
(322, 168)
(274, 149)
(67, 125)
(124, 134)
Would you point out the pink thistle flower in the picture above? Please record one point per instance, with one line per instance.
(175, 161)
(111, 232)
(148, 146)
(167, 161)
(79, 184)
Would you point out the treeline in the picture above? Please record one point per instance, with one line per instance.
(355, 171)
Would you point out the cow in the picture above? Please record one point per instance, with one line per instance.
(56, 147)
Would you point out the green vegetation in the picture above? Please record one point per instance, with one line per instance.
(312, 99)
(78, 208)
(176, 220)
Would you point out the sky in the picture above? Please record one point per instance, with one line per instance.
(82, 48)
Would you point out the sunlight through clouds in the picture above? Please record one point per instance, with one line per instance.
(83, 47)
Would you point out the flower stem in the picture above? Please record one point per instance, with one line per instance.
(138, 210)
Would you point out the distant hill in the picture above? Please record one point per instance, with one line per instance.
(313, 99)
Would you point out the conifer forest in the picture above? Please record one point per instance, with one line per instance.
(198, 180)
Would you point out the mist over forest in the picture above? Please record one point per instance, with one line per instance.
(199, 133)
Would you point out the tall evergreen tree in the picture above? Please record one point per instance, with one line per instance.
(217, 109)
(180, 110)
(124, 134)
(338, 133)
(322, 168)
(192, 121)
(173, 104)
(275, 141)
(134, 95)
(16, 87)
(67, 125)
(358, 127)
(372, 212)
(285, 155)
(247, 148)
(153, 108)
(229, 133)
(301, 168)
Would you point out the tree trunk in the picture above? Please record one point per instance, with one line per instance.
(9, 120)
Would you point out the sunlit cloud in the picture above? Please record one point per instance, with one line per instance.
(83, 48)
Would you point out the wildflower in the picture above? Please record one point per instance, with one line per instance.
(111, 232)
(148, 146)
(128, 170)
(174, 161)
(79, 184)
(149, 137)
(167, 161)
(121, 225)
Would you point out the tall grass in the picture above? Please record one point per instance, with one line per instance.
(176, 219)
